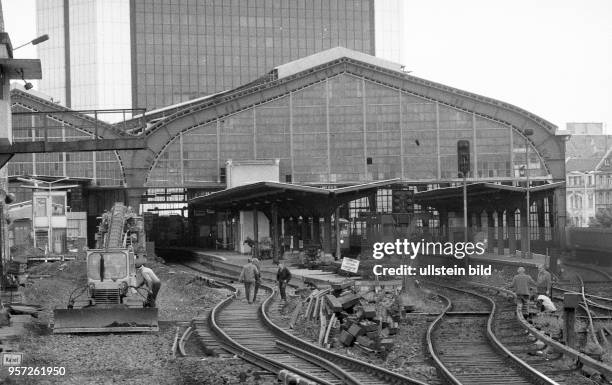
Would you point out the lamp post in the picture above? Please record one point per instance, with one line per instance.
(527, 132)
(36, 41)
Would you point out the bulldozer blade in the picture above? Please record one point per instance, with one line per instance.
(105, 320)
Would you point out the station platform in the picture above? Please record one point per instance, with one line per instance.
(268, 268)
(234, 261)
(512, 260)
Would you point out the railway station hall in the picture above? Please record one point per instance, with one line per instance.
(339, 149)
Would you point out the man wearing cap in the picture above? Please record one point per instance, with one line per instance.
(520, 285)
(257, 264)
(544, 281)
(249, 276)
(144, 275)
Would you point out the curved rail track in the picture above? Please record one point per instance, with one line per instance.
(596, 291)
(466, 349)
(249, 332)
(519, 336)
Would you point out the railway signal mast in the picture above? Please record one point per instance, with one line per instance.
(463, 163)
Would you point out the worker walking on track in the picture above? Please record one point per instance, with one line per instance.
(283, 276)
(520, 285)
(248, 276)
(257, 264)
(144, 275)
(544, 282)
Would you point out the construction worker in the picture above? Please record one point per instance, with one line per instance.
(257, 264)
(545, 304)
(544, 281)
(520, 285)
(248, 276)
(144, 275)
(283, 275)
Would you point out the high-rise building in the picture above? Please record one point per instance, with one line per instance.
(389, 30)
(154, 53)
(589, 128)
(87, 63)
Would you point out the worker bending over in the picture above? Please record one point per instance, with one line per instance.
(144, 275)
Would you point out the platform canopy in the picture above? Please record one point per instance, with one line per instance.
(289, 199)
(481, 195)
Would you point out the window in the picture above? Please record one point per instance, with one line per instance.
(113, 267)
(58, 204)
(40, 209)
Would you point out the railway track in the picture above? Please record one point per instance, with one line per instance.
(199, 325)
(466, 349)
(588, 273)
(520, 338)
(248, 331)
(597, 289)
(365, 372)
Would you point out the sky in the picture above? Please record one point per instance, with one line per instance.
(552, 58)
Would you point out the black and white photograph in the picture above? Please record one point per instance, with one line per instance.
(319, 192)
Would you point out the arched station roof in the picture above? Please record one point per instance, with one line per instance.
(441, 111)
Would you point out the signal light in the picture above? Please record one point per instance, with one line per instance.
(463, 157)
(401, 201)
(9, 198)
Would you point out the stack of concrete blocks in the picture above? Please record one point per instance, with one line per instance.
(363, 324)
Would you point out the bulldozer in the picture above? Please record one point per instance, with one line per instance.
(110, 303)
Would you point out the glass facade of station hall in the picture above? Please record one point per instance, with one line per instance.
(102, 168)
(346, 129)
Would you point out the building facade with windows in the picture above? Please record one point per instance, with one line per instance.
(581, 191)
(154, 53)
(603, 182)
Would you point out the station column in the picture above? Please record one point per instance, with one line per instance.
(511, 230)
(490, 232)
(500, 232)
(524, 231)
(327, 231)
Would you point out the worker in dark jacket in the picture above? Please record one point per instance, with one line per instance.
(283, 276)
(257, 264)
(520, 285)
(544, 281)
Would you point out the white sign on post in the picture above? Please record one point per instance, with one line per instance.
(349, 264)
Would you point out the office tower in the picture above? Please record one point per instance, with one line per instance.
(165, 52)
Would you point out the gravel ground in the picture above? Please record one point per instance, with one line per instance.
(408, 357)
(128, 358)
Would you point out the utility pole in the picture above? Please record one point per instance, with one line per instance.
(527, 132)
